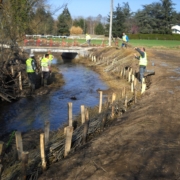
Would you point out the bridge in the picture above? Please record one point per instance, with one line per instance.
(74, 51)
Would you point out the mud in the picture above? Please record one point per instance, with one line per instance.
(141, 144)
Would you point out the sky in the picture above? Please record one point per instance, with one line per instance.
(93, 8)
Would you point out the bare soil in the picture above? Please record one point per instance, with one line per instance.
(143, 143)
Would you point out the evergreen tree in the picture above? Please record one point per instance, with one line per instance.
(99, 29)
(64, 22)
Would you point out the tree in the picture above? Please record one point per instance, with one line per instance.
(42, 21)
(81, 23)
(76, 30)
(120, 16)
(99, 29)
(156, 17)
(167, 11)
(64, 22)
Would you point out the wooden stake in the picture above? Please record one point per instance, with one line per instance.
(24, 164)
(46, 132)
(70, 113)
(143, 88)
(132, 77)
(19, 144)
(113, 97)
(100, 101)
(20, 81)
(135, 96)
(82, 114)
(86, 126)
(125, 103)
(1, 168)
(42, 150)
(69, 133)
(132, 86)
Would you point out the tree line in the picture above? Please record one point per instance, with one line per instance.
(20, 17)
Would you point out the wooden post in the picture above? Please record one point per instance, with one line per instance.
(113, 107)
(69, 133)
(20, 81)
(86, 126)
(125, 102)
(19, 144)
(42, 150)
(12, 70)
(46, 132)
(129, 74)
(132, 86)
(100, 101)
(113, 97)
(70, 113)
(143, 88)
(1, 168)
(135, 96)
(24, 164)
(132, 77)
(1, 149)
(1, 152)
(135, 81)
(124, 73)
(82, 114)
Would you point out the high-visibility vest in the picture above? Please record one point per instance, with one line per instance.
(44, 62)
(143, 60)
(124, 38)
(88, 37)
(51, 57)
(29, 67)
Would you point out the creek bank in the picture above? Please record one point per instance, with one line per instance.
(113, 79)
(143, 143)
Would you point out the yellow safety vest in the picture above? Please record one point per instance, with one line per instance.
(29, 68)
(143, 60)
(124, 38)
(51, 57)
(88, 37)
(44, 62)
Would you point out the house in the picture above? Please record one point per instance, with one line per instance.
(175, 29)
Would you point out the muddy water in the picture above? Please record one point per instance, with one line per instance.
(31, 113)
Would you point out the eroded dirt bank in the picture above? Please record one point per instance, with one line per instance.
(144, 142)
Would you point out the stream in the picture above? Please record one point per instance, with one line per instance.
(30, 113)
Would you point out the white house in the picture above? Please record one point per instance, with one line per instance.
(175, 29)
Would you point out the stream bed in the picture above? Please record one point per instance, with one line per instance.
(81, 84)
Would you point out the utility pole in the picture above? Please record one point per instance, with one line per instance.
(110, 26)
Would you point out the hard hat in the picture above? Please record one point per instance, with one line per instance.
(31, 55)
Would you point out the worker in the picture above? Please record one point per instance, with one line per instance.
(142, 61)
(45, 68)
(125, 40)
(30, 69)
(51, 57)
(88, 39)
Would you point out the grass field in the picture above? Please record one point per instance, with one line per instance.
(146, 43)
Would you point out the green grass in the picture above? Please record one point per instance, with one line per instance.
(156, 43)
(146, 43)
(134, 43)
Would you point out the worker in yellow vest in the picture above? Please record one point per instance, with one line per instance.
(88, 39)
(30, 69)
(45, 68)
(142, 61)
(51, 57)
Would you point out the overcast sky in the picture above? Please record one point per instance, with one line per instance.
(93, 8)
